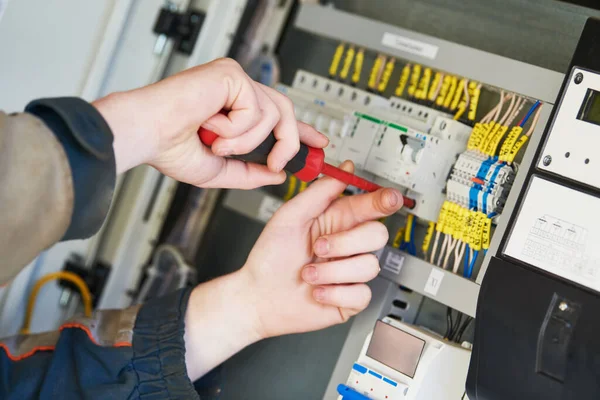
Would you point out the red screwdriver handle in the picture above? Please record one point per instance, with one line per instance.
(306, 165)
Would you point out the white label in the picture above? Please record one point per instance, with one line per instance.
(410, 45)
(558, 230)
(268, 207)
(393, 262)
(434, 282)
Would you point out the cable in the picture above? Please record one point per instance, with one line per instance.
(348, 60)
(435, 245)
(84, 291)
(459, 253)
(449, 324)
(451, 244)
(531, 110)
(535, 121)
(462, 329)
(335, 61)
(387, 74)
(358, 64)
(472, 264)
(442, 250)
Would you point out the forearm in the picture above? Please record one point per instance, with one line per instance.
(221, 320)
(130, 117)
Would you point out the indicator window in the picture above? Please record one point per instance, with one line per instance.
(395, 348)
(590, 109)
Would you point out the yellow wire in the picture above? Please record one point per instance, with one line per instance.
(335, 61)
(399, 236)
(408, 231)
(358, 64)
(291, 188)
(86, 296)
(347, 63)
(461, 110)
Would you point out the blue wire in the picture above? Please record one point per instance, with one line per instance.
(412, 247)
(531, 110)
(492, 214)
(472, 265)
(466, 260)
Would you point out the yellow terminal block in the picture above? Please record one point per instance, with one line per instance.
(442, 217)
(387, 74)
(516, 148)
(404, 76)
(458, 95)
(347, 62)
(475, 137)
(439, 101)
(474, 94)
(375, 72)
(434, 85)
(360, 58)
(493, 148)
(487, 233)
(492, 129)
(510, 141)
(335, 61)
(451, 92)
(414, 80)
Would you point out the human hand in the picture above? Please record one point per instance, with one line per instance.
(308, 269)
(158, 125)
(306, 272)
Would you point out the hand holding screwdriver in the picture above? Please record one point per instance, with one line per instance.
(306, 165)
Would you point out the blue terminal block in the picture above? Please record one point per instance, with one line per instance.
(348, 393)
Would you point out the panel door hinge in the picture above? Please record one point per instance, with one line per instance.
(182, 27)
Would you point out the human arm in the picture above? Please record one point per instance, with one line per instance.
(306, 272)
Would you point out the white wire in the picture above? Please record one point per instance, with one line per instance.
(435, 245)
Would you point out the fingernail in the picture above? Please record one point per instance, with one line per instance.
(224, 152)
(319, 294)
(321, 247)
(393, 197)
(281, 166)
(309, 274)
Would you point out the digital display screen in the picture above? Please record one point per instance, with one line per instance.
(395, 348)
(590, 109)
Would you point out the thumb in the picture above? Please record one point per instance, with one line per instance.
(317, 198)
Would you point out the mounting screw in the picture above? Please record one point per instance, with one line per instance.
(578, 78)
(547, 160)
(563, 306)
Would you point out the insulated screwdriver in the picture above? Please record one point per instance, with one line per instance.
(306, 165)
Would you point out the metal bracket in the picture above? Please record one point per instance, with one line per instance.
(183, 27)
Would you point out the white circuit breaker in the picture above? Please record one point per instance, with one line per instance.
(402, 362)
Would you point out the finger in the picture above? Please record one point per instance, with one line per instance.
(285, 131)
(357, 269)
(240, 175)
(241, 101)
(314, 201)
(311, 137)
(370, 206)
(251, 139)
(348, 297)
(364, 238)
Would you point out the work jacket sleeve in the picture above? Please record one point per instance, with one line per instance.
(136, 353)
(57, 176)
